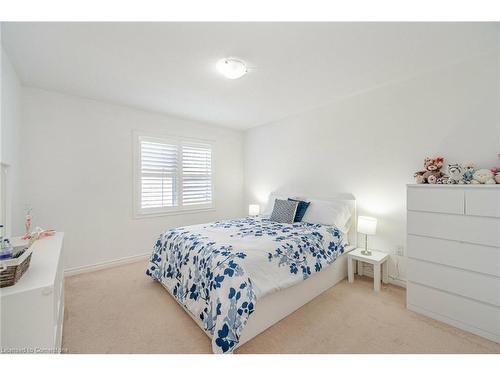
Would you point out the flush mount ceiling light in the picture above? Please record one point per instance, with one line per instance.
(231, 68)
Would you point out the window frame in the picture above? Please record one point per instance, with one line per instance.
(140, 212)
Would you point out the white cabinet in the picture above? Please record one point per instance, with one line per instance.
(32, 310)
(453, 254)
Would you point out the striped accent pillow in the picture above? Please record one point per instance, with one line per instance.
(284, 211)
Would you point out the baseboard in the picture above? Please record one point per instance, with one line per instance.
(397, 282)
(104, 265)
(368, 271)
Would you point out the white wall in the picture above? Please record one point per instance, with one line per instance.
(1, 100)
(10, 139)
(78, 174)
(370, 144)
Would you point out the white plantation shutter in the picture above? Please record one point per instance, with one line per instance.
(196, 174)
(174, 175)
(159, 174)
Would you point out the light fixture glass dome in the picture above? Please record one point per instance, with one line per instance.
(231, 68)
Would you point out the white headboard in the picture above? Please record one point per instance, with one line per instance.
(347, 197)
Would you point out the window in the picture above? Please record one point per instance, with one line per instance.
(172, 175)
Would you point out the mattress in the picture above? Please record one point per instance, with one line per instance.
(219, 271)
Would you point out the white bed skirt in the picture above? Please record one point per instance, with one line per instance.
(276, 306)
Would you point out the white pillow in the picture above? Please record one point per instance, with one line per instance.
(335, 213)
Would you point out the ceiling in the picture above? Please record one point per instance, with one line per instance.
(170, 67)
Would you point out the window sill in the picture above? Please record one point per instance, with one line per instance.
(138, 215)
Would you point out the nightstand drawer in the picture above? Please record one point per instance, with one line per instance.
(436, 199)
(469, 284)
(472, 229)
(483, 202)
(484, 259)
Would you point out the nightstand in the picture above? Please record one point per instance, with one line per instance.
(377, 259)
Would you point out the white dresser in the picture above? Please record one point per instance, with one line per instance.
(32, 310)
(453, 244)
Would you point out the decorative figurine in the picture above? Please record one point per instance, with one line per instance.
(27, 225)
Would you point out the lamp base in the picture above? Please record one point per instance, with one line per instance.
(366, 251)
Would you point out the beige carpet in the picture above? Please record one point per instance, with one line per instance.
(121, 310)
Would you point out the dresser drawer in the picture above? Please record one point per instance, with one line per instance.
(472, 229)
(469, 284)
(462, 312)
(483, 201)
(484, 259)
(436, 199)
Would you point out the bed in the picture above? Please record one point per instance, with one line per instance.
(238, 277)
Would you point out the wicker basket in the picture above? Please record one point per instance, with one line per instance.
(11, 270)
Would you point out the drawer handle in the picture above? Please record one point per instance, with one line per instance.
(47, 291)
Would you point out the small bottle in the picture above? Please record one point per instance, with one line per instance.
(6, 250)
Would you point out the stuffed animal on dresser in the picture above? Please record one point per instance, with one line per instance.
(496, 174)
(468, 173)
(483, 176)
(432, 172)
(442, 180)
(455, 174)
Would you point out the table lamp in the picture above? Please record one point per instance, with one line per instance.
(253, 209)
(367, 226)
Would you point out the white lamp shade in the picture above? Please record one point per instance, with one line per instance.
(253, 209)
(367, 225)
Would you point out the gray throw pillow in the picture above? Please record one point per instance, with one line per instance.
(284, 211)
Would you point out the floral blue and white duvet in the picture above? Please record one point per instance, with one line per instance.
(219, 271)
